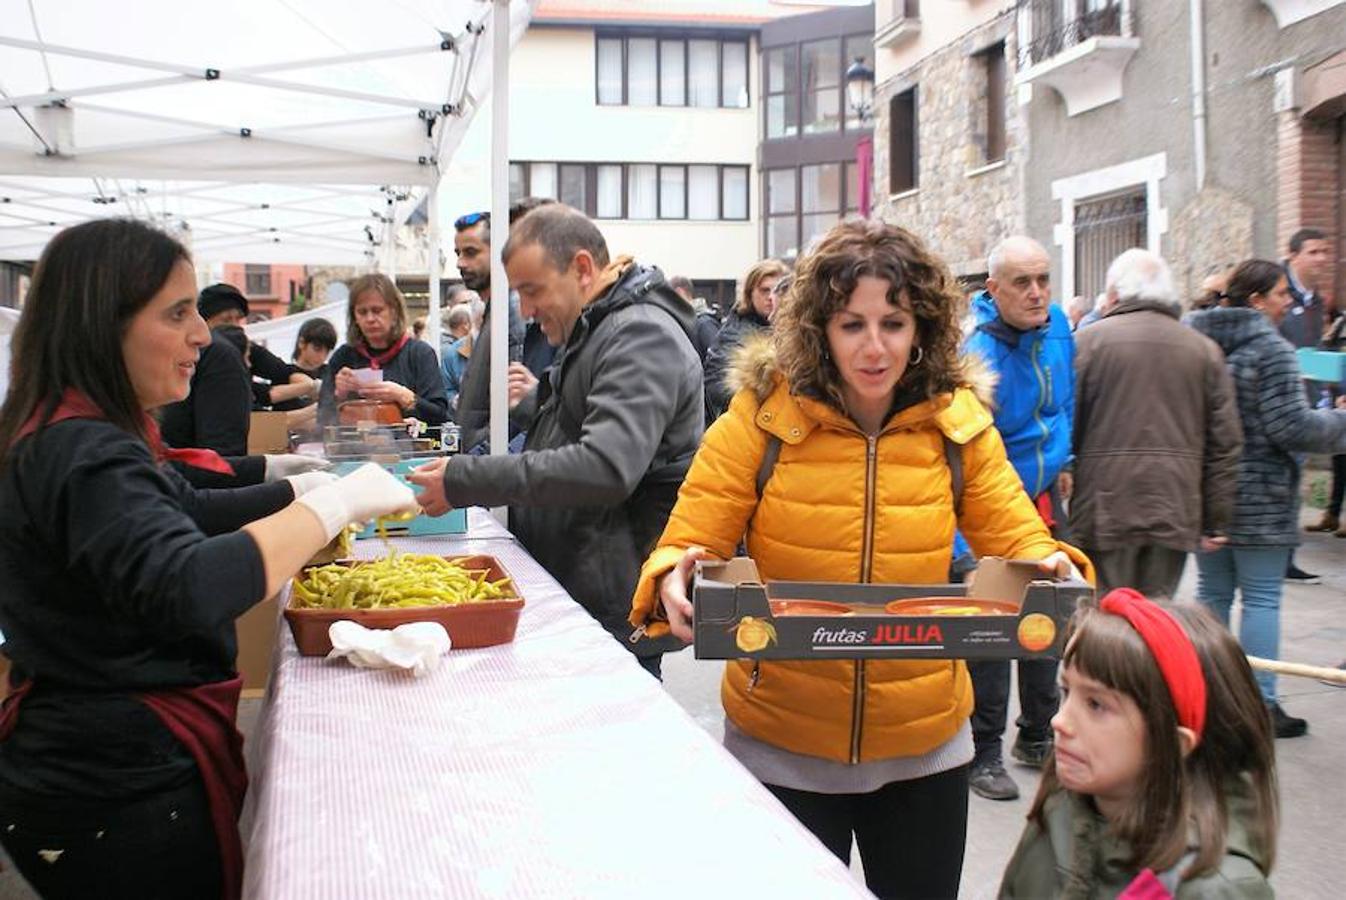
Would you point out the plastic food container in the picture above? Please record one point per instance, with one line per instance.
(469, 625)
(809, 608)
(951, 606)
(381, 412)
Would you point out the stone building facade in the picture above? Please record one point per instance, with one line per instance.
(970, 181)
(1131, 169)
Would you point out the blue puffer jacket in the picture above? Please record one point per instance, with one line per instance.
(1035, 391)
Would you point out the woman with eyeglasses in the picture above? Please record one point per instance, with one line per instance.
(751, 314)
(404, 380)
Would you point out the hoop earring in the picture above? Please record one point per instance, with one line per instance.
(920, 355)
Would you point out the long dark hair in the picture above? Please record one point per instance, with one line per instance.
(89, 283)
(1252, 276)
(1176, 794)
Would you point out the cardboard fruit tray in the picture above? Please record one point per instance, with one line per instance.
(1007, 610)
(484, 624)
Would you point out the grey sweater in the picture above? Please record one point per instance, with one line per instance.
(1277, 424)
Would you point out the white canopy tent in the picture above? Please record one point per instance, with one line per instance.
(301, 131)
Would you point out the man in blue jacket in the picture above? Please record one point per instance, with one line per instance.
(1026, 341)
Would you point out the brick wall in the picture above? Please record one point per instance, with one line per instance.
(1309, 182)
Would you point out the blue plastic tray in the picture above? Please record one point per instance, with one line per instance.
(452, 522)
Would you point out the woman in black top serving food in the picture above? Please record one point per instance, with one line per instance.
(378, 336)
(121, 771)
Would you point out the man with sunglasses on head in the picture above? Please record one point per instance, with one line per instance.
(472, 247)
(612, 426)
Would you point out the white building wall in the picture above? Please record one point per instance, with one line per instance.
(554, 116)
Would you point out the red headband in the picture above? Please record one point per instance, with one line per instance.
(1172, 650)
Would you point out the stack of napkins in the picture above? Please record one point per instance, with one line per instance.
(415, 647)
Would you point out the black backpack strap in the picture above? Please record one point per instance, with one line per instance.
(769, 457)
(953, 456)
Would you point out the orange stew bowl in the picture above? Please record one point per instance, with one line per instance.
(950, 606)
(809, 608)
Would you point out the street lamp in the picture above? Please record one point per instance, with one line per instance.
(860, 95)
(860, 88)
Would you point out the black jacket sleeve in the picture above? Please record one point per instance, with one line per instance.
(626, 411)
(269, 366)
(221, 510)
(122, 522)
(248, 470)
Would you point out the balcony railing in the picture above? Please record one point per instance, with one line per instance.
(1051, 32)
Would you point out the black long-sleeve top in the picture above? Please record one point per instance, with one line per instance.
(415, 367)
(116, 576)
(217, 413)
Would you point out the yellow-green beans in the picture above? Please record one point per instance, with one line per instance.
(399, 580)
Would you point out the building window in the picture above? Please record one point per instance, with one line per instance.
(574, 184)
(734, 192)
(782, 213)
(608, 203)
(672, 192)
(804, 90)
(820, 74)
(257, 280)
(903, 146)
(1104, 227)
(610, 83)
(782, 92)
(819, 200)
(989, 104)
(686, 70)
(704, 192)
(802, 204)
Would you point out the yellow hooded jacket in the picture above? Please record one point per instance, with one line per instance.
(843, 506)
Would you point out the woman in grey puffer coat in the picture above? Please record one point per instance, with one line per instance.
(1277, 424)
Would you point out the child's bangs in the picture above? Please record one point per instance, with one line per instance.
(1108, 650)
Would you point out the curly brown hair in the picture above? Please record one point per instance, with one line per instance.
(824, 279)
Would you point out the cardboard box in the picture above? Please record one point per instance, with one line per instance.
(268, 432)
(734, 616)
(256, 631)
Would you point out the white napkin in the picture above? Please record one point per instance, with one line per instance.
(415, 647)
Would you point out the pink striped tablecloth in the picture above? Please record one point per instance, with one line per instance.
(553, 766)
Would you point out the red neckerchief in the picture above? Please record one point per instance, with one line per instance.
(378, 360)
(75, 405)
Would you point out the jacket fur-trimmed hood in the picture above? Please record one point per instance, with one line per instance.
(754, 366)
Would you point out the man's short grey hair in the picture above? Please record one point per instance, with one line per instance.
(459, 316)
(1014, 242)
(1141, 275)
(1080, 305)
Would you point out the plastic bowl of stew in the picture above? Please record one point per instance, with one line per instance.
(950, 606)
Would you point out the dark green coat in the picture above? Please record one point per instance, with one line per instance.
(1076, 858)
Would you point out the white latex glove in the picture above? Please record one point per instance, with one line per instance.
(307, 481)
(365, 494)
(283, 465)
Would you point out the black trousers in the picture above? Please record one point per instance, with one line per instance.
(162, 846)
(911, 834)
(1038, 702)
(1338, 485)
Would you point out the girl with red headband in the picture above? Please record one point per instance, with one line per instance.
(1163, 782)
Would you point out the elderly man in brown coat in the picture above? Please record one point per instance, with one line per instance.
(1156, 435)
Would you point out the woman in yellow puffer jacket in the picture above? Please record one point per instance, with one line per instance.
(861, 382)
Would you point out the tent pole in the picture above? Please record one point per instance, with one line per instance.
(499, 227)
(432, 314)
